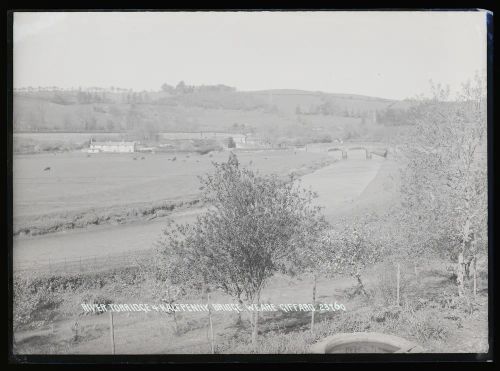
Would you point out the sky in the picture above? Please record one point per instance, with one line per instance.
(385, 54)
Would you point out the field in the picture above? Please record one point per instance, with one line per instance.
(52, 321)
(430, 315)
(81, 181)
(84, 189)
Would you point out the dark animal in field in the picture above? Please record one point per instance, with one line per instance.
(135, 158)
(142, 158)
(47, 168)
(175, 158)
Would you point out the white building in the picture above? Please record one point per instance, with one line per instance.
(114, 147)
(253, 142)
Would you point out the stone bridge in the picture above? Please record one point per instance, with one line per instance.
(369, 150)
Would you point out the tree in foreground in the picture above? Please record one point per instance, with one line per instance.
(255, 226)
(350, 246)
(445, 180)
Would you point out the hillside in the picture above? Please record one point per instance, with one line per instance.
(281, 115)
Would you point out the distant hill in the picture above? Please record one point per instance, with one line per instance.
(275, 113)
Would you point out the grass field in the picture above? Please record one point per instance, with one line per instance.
(80, 181)
(430, 313)
(179, 183)
(82, 190)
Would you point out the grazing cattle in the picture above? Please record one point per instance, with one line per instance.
(47, 168)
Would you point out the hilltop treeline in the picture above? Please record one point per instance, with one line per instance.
(284, 115)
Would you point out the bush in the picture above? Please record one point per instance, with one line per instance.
(322, 138)
(231, 143)
(205, 146)
(90, 298)
(31, 301)
(386, 285)
(28, 145)
(298, 342)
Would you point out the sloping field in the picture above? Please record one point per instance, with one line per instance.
(94, 185)
(99, 242)
(77, 181)
(338, 186)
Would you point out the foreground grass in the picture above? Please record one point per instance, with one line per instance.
(430, 314)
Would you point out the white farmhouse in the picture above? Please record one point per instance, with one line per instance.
(113, 147)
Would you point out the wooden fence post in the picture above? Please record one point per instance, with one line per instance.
(313, 303)
(112, 332)
(397, 284)
(475, 277)
(212, 345)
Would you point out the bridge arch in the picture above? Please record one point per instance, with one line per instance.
(369, 151)
(368, 154)
(338, 149)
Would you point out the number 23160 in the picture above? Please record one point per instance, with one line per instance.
(331, 307)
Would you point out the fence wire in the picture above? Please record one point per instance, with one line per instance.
(82, 264)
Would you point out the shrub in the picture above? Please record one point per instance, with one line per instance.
(90, 298)
(31, 301)
(423, 324)
(205, 146)
(322, 138)
(386, 284)
(231, 143)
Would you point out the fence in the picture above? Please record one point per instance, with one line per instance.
(92, 263)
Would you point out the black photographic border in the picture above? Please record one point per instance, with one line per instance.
(424, 359)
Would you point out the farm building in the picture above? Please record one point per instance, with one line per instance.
(253, 142)
(116, 147)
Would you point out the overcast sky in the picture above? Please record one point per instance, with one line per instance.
(385, 54)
